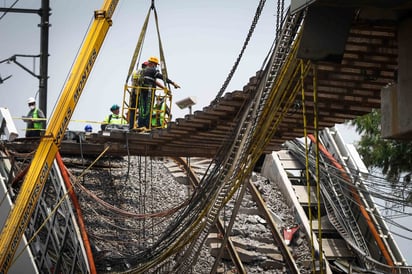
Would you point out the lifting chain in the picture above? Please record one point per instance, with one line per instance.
(252, 28)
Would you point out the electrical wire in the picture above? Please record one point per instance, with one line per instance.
(349, 188)
(9, 8)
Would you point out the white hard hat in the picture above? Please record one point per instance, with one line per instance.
(31, 100)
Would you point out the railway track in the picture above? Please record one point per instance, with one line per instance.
(341, 243)
(280, 255)
(338, 214)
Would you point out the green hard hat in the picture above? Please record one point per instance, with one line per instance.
(114, 107)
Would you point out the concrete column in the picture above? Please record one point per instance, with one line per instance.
(405, 77)
(396, 100)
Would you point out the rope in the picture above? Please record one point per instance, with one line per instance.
(127, 213)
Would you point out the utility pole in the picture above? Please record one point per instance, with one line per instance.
(44, 25)
(44, 54)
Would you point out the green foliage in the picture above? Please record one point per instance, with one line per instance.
(393, 157)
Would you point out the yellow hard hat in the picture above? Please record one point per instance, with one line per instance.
(154, 60)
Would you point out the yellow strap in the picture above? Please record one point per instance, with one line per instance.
(162, 56)
(138, 46)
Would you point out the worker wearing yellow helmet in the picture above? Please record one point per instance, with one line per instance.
(153, 60)
(149, 83)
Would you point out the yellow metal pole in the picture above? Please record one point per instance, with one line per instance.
(36, 177)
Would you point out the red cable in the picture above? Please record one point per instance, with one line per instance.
(86, 242)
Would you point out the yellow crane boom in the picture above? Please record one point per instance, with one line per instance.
(36, 177)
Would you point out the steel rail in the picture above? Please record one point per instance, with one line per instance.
(287, 256)
(234, 255)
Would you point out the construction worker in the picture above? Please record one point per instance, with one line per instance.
(149, 83)
(113, 118)
(88, 128)
(160, 112)
(136, 82)
(137, 73)
(35, 119)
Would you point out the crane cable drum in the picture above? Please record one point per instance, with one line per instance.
(131, 92)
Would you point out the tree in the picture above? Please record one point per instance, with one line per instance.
(392, 157)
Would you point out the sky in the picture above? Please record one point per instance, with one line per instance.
(201, 42)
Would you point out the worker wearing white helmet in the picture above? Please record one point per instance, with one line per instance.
(35, 119)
